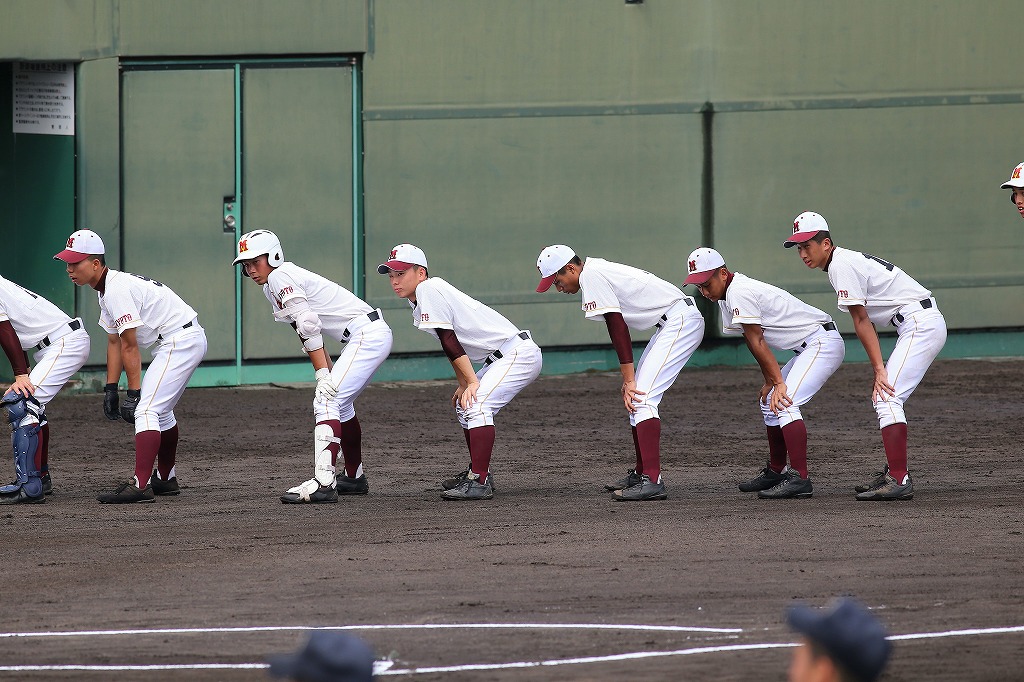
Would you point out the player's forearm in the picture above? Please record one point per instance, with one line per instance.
(869, 339)
(114, 365)
(320, 359)
(464, 370)
(628, 372)
(765, 360)
(12, 348)
(131, 359)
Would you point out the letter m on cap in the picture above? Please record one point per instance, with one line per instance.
(71, 242)
(693, 266)
(1016, 172)
(243, 246)
(394, 252)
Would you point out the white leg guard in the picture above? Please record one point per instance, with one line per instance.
(323, 470)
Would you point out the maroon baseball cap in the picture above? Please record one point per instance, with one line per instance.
(806, 225)
(81, 245)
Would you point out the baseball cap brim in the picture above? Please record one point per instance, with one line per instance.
(396, 265)
(72, 257)
(699, 277)
(1012, 184)
(799, 238)
(545, 283)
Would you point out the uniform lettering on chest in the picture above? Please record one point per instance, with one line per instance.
(124, 319)
(843, 293)
(285, 291)
(424, 317)
(735, 312)
(592, 305)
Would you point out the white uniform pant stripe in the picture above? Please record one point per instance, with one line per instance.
(365, 351)
(56, 363)
(921, 336)
(805, 374)
(664, 357)
(500, 382)
(174, 361)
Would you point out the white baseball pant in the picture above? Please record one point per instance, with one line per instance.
(55, 363)
(922, 335)
(664, 357)
(500, 380)
(175, 358)
(366, 349)
(806, 373)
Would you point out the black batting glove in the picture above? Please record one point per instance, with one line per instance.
(129, 405)
(110, 402)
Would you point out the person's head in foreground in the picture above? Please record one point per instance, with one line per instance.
(841, 643)
(328, 656)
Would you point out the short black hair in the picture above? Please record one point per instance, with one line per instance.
(821, 236)
(575, 260)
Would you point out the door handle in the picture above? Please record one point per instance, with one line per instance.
(231, 217)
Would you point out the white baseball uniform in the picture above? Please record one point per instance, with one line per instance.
(511, 360)
(61, 344)
(161, 320)
(343, 317)
(891, 297)
(645, 301)
(788, 324)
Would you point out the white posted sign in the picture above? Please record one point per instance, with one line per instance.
(44, 98)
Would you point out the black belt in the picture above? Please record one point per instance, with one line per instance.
(664, 318)
(159, 337)
(497, 355)
(898, 319)
(75, 326)
(828, 326)
(373, 317)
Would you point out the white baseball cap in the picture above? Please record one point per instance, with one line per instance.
(81, 245)
(1016, 179)
(403, 257)
(806, 225)
(551, 260)
(701, 263)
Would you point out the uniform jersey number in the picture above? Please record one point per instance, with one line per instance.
(146, 279)
(33, 295)
(885, 264)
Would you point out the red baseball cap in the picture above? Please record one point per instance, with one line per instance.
(806, 225)
(81, 245)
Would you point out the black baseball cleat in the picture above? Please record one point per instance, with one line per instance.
(19, 496)
(877, 481)
(127, 493)
(47, 484)
(351, 486)
(889, 491)
(765, 479)
(791, 487)
(162, 487)
(310, 492)
(471, 489)
(632, 478)
(642, 491)
(456, 480)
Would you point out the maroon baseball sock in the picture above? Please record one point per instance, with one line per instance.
(333, 448)
(648, 434)
(43, 452)
(776, 449)
(352, 446)
(147, 444)
(168, 452)
(894, 438)
(795, 434)
(636, 447)
(481, 443)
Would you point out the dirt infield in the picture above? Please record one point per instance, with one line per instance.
(551, 548)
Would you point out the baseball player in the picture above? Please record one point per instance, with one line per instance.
(138, 312)
(1016, 186)
(874, 291)
(469, 332)
(768, 317)
(629, 298)
(30, 322)
(315, 306)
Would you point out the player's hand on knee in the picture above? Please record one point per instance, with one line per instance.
(780, 399)
(129, 405)
(763, 395)
(468, 396)
(631, 396)
(325, 388)
(110, 401)
(882, 389)
(22, 386)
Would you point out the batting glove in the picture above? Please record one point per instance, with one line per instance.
(129, 405)
(325, 388)
(110, 402)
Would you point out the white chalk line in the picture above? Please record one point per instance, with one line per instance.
(384, 667)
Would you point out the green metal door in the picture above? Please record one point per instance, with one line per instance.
(178, 164)
(278, 139)
(297, 181)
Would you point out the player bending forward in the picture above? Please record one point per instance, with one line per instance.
(469, 332)
(1016, 186)
(315, 306)
(138, 312)
(875, 291)
(626, 297)
(769, 317)
(30, 322)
